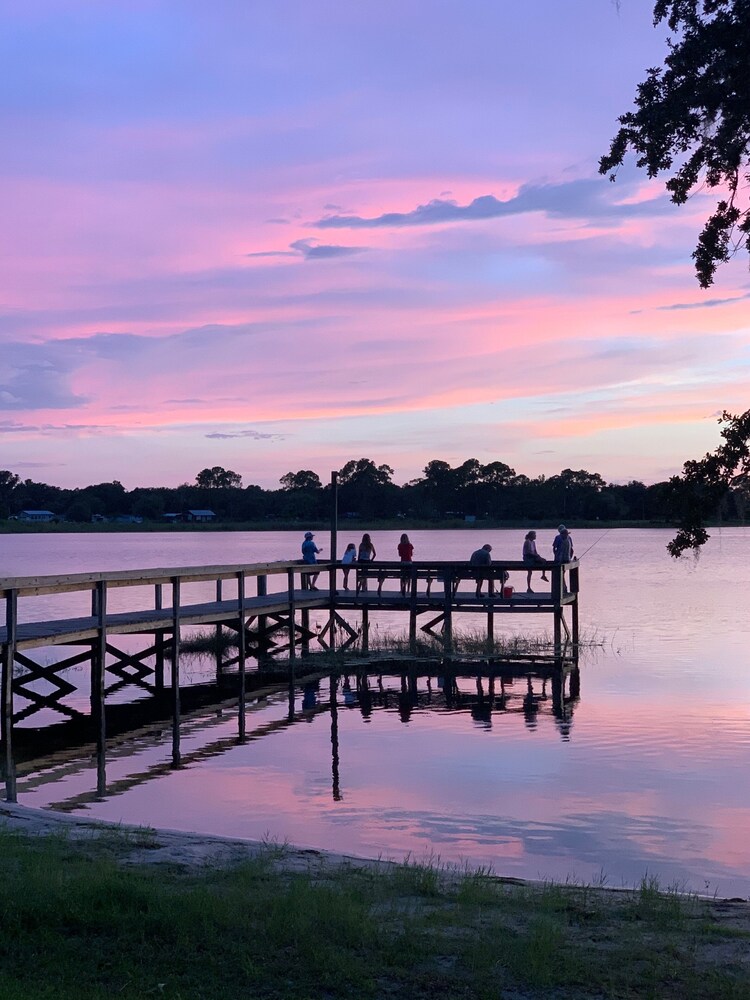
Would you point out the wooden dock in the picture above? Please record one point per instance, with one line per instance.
(268, 607)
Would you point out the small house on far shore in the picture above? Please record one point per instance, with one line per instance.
(35, 516)
(200, 515)
(188, 515)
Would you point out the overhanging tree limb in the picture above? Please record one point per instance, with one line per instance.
(697, 493)
(692, 119)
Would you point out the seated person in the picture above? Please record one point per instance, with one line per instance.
(480, 558)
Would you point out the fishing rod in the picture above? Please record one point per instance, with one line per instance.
(595, 543)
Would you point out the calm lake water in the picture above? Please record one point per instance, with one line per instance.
(648, 775)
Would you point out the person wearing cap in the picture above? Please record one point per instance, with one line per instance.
(562, 545)
(562, 548)
(309, 555)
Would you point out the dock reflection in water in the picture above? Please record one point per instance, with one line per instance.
(477, 697)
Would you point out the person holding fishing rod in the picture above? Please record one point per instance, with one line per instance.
(562, 548)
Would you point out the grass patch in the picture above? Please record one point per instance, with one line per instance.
(79, 924)
(466, 642)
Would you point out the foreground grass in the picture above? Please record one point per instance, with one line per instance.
(78, 923)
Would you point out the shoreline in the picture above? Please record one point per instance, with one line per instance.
(154, 527)
(192, 849)
(125, 911)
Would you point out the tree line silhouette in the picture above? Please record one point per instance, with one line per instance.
(367, 491)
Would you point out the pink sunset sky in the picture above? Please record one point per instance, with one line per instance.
(273, 236)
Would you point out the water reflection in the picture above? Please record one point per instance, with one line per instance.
(556, 691)
(480, 699)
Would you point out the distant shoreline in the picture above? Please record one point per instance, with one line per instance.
(348, 526)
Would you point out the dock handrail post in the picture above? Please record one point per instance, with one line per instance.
(175, 671)
(9, 658)
(448, 611)
(98, 671)
(241, 643)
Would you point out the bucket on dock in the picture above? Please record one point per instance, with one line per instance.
(507, 591)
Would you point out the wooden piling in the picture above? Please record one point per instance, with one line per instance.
(448, 611)
(241, 652)
(98, 674)
(158, 643)
(9, 659)
(218, 631)
(175, 671)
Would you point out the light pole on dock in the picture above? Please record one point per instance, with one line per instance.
(334, 514)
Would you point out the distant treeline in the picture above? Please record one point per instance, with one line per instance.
(367, 491)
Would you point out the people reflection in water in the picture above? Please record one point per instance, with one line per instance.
(310, 696)
(365, 697)
(530, 705)
(350, 698)
(407, 698)
(481, 710)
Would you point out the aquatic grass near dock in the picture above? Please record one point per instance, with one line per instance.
(466, 642)
(85, 919)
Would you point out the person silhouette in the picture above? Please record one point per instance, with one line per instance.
(532, 558)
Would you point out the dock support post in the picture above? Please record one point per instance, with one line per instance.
(262, 591)
(98, 671)
(557, 592)
(9, 658)
(413, 611)
(158, 644)
(574, 608)
(365, 630)
(241, 649)
(305, 613)
(218, 633)
(448, 611)
(176, 671)
(292, 623)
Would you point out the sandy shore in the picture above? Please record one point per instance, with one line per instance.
(145, 845)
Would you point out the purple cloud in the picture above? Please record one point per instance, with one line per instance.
(573, 199)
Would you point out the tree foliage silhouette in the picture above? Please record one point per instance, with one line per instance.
(692, 120)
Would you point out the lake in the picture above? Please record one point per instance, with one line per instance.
(646, 775)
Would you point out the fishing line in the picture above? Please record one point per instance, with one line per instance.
(595, 543)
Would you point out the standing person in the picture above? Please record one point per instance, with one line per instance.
(365, 554)
(479, 558)
(309, 555)
(347, 561)
(532, 558)
(406, 555)
(562, 547)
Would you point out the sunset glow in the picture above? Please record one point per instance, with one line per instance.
(273, 237)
